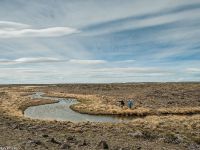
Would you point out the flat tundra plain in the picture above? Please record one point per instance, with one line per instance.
(167, 116)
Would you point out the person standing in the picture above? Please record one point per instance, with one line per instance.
(122, 103)
(130, 104)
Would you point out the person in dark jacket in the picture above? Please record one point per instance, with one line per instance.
(122, 103)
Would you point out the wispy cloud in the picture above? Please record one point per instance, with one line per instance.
(120, 70)
(30, 60)
(9, 25)
(17, 30)
(120, 42)
(87, 62)
(154, 18)
(193, 70)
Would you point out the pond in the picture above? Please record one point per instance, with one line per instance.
(61, 111)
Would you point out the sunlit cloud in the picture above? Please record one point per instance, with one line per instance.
(30, 60)
(193, 70)
(87, 62)
(45, 32)
(65, 41)
(132, 70)
(9, 25)
(10, 29)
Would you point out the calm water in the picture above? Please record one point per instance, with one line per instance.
(61, 112)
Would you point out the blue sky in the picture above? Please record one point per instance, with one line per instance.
(76, 41)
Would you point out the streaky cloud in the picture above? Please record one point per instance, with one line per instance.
(119, 41)
(193, 70)
(30, 60)
(18, 30)
(147, 70)
(160, 17)
(12, 25)
(87, 62)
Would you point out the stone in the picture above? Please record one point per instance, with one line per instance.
(65, 146)
(34, 142)
(85, 143)
(173, 138)
(71, 138)
(45, 135)
(136, 134)
(193, 147)
(103, 145)
(54, 141)
(33, 127)
(42, 129)
(15, 126)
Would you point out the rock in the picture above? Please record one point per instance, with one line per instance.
(103, 145)
(71, 138)
(34, 142)
(65, 146)
(33, 127)
(138, 147)
(136, 134)
(124, 148)
(149, 135)
(173, 138)
(45, 135)
(15, 126)
(193, 147)
(84, 143)
(54, 141)
(42, 129)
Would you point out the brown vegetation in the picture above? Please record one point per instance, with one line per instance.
(172, 119)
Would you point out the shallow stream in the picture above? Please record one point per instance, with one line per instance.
(61, 111)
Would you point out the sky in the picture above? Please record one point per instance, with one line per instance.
(99, 41)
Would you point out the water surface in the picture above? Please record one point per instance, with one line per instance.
(61, 111)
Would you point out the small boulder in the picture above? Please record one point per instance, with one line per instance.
(102, 145)
(65, 146)
(85, 143)
(193, 147)
(173, 138)
(136, 134)
(54, 141)
(45, 135)
(34, 142)
(71, 138)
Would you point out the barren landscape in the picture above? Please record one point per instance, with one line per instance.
(165, 116)
(99, 75)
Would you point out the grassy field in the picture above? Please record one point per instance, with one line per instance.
(168, 117)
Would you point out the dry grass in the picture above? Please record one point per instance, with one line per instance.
(179, 110)
(22, 107)
(93, 104)
(160, 122)
(15, 101)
